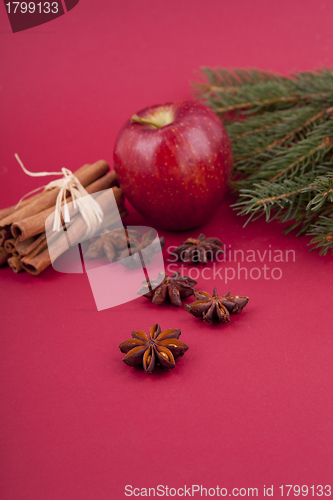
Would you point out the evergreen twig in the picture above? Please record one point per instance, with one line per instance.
(281, 130)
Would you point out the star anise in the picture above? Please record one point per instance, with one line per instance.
(199, 250)
(213, 306)
(175, 288)
(148, 247)
(156, 348)
(110, 243)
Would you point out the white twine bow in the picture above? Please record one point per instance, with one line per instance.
(89, 208)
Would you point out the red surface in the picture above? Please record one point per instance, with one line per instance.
(250, 404)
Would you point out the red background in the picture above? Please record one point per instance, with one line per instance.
(250, 404)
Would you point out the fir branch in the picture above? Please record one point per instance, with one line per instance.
(256, 130)
(223, 80)
(323, 235)
(289, 136)
(267, 198)
(282, 162)
(249, 91)
(325, 144)
(304, 219)
(288, 201)
(281, 130)
(253, 104)
(324, 187)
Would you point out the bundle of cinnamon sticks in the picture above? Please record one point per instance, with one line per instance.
(23, 244)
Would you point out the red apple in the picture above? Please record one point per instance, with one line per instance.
(174, 162)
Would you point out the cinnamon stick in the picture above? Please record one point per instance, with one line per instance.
(10, 245)
(27, 246)
(4, 256)
(36, 263)
(5, 234)
(32, 247)
(4, 212)
(77, 229)
(35, 224)
(86, 175)
(15, 264)
(36, 251)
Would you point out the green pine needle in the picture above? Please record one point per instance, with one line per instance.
(281, 130)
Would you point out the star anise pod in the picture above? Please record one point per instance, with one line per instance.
(213, 306)
(156, 348)
(110, 243)
(175, 288)
(148, 247)
(199, 250)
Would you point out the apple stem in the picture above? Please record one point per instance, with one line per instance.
(138, 119)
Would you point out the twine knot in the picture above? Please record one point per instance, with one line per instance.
(89, 208)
